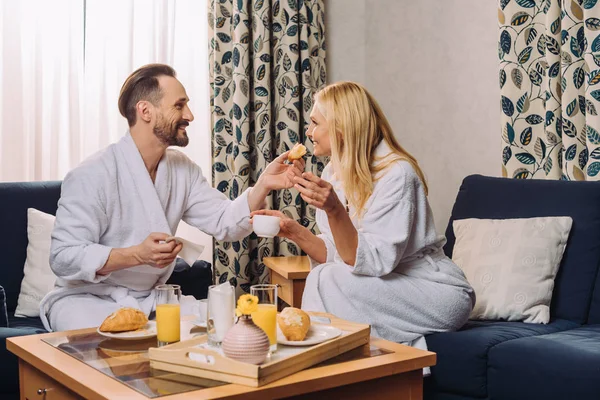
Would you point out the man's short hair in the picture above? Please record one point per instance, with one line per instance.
(142, 85)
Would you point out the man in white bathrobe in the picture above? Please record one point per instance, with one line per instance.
(118, 207)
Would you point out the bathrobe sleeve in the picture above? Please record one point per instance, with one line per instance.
(326, 237)
(213, 213)
(81, 219)
(389, 223)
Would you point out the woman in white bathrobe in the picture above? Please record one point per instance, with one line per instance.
(378, 259)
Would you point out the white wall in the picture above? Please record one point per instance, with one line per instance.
(433, 67)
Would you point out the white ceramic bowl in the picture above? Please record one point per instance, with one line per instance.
(266, 225)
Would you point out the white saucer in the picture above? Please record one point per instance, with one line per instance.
(316, 334)
(146, 332)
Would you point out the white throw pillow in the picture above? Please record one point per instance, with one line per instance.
(39, 278)
(511, 264)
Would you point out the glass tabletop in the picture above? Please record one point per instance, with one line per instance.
(127, 361)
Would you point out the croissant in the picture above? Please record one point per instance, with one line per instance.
(297, 152)
(123, 320)
(294, 323)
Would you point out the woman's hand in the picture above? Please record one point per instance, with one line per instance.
(288, 228)
(279, 175)
(319, 193)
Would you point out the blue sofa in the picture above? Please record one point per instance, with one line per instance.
(15, 199)
(513, 360)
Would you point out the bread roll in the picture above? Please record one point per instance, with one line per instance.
(297, 152)
(124, 320)
(294, 323)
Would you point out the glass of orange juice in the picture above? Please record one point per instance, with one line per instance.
(168, 320)
(266, 315)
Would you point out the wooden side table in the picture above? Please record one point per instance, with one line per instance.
(290, 273)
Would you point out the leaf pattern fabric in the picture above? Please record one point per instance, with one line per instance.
(267, 59)
(549, 78)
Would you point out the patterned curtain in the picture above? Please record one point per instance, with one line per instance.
(267, 59)
(549, 73)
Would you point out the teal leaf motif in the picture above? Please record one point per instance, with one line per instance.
(293, 4)
(502, 78)
(595, 94)
(237, 112)
(226, 58)
(506, 154)
(578, 77)
(548, 166)
(218, 128)
(587, 4)
(293, 136)
(575, 47)
(287, 197)
(523, 103)
(571, 152)
(226, 94)
(236, 57)
(519, 18)
(223, 259)
(265, 58)
(245, 171)
(524, 3)
(525, 158)
(572, 108)
(503, 3)
(595, 154)
(292, 30)
(541, 46)
(593, 24)
(234, 190)
(510, 133)
(292, 115)
(526, 136)
(590, 108)
(261, 91)
(223, 37)
(554, 70)
(507, 106)
(564, 36)
(593, 169)
(555, 26)
(592, 135)
(569, 128)
(260, 136)
(505, 41)
(219, 167)
(525, 55)
(535, 77)
(530, 35)
(540, 148)
(552, 45)
(534, 119)
(223, 277)
(594, 77)
(258, 5)
(264, 120)
(596, 44)
(223, 186)
(583, 158)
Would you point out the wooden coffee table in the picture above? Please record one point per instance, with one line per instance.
(83, 364)
(290, 274)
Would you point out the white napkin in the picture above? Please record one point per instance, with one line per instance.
(190, 251)
(221, 308)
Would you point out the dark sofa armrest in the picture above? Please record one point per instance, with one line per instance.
(3, 310)
(193, 280)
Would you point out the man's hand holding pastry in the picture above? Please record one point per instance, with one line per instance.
(156, 252)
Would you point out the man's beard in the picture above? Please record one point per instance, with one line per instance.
(168, 133)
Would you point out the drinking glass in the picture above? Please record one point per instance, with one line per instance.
(220, 313)
(168, 319)
(266, 315)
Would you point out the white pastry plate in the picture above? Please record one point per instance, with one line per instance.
(146, 332)
(316, 334)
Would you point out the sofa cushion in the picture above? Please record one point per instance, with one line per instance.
(3, 312)
(462, 357)
(26, 323)
(38, 278)
(498, 198)
(562, 365)
(15, 199)
(511, 264)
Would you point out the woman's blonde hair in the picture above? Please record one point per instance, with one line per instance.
(357, 126)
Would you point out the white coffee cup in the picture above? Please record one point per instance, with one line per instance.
(266, 225)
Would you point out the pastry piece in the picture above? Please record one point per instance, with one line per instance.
(294, 323)
(124, 320)
(297, 152)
